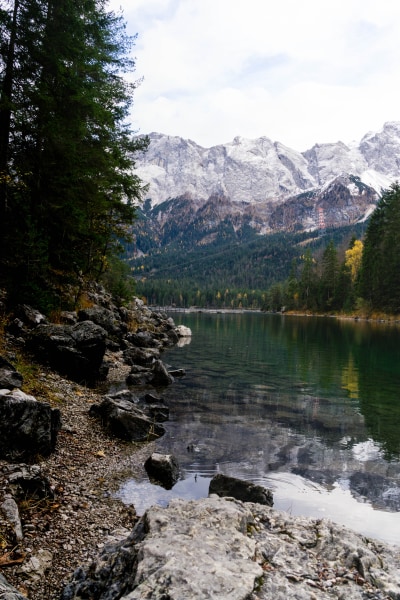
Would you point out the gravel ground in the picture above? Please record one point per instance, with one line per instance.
(85, 470)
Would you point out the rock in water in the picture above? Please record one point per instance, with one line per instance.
(164, 468)
(246, 491)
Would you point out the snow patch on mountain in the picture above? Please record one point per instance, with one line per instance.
(261, 170)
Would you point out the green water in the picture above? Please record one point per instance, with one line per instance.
(309, 407)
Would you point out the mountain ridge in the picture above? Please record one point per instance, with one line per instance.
(260, 170)
(256, 187)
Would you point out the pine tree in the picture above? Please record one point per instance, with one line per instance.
(68, 153)
(380, 266)
(329, 277)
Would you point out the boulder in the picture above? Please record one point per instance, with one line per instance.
(9, 592)
(246, 491)
(144, 339)
(29, 315)
(9, 376)
(28, 481)
(143, 357)
(157, 412)
(75, 351)
(160, 376)
(163, 468)
(183, 331)
(125, 420)
(226, 549)
(27, 427)
(105, 318)
(139, 376)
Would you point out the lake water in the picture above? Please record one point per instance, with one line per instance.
(308, 407)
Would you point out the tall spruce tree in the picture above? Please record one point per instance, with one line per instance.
(68, 189)
(329, 277)
(380, 266)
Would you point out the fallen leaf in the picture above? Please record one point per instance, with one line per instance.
(7, 561)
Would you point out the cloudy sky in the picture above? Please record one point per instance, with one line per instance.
(296, 71)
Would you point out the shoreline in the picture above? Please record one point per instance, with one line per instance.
(84, 471)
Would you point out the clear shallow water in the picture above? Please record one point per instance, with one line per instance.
(309, 407)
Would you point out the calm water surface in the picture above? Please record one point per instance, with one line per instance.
(308, 407)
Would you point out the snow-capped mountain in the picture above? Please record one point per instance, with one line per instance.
(263, 184)
(261, 170)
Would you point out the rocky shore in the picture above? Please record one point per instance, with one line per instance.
(65, 535)
(62, 532)
(57, 504)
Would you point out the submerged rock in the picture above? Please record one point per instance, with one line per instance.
(125, 420)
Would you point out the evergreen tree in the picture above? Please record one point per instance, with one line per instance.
(308, 283)
(380, 266)
(329, 277)
(68, 190)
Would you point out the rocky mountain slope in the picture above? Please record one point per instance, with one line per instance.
(263, 185)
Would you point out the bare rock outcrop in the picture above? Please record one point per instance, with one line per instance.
(225, 549)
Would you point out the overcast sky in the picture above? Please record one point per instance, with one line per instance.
(296, 71)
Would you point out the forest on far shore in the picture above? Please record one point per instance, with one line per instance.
(353, 269)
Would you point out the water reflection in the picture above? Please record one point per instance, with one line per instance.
(307, 406)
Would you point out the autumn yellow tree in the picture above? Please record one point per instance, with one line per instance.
(353, 258)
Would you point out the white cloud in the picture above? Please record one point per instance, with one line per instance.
(298, 72)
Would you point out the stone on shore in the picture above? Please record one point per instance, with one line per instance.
(76, 351)
(8, 592)
(225, 549)
(27, 427)
(9, 376)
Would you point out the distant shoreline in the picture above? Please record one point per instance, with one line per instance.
(387, 319)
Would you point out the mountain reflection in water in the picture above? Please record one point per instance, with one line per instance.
(309, 407)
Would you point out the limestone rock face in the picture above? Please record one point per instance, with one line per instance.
(258, 170)
(218, 548)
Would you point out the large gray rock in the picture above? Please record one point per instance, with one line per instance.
(125, 420)
(76, 351)
(246, 491)
(30, 316)
(8, 592)
(105, 318)
(27, 427)
(140, 356)
(217, 548)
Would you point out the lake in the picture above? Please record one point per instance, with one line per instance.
(308, 407)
